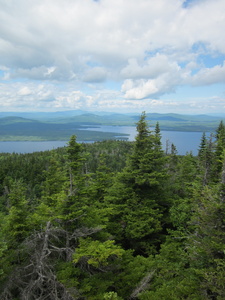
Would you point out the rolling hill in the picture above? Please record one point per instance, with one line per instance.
(40, 126)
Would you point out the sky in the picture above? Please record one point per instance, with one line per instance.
(121, 56)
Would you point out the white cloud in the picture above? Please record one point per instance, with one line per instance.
(96, 74)
(160, 84)
(146, 47)
(139, 89)
(207, 76)
(24, 91)
(54, 30)
(27, 95)
(150, 68)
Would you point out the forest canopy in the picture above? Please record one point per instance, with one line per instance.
(114, 220)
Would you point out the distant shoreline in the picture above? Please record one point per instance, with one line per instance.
(60, 127)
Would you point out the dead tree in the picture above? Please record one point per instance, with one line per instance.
(36, 278)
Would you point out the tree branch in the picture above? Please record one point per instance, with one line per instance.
(143, 285)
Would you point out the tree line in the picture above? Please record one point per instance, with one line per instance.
(114, 220)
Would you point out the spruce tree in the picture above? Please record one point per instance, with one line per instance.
(206, 156)
(16, 227)
(219, 147)
(138, 196)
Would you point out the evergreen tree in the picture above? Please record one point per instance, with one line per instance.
(206, 244)
(219, 148)
(206, 156)
(3, 245)
(137, 196)
(91, 229)
(74, 152)
(16, 227)
(203, 145)
(74, 205)
(172, 162)
(55, 179)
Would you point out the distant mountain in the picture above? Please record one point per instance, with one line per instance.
(53, 115)
(179, 117)
(218, 115)
(43, 115)
(13, 120)
(61, 125)
(94, 119)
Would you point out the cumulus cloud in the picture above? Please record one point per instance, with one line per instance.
(104, 29)
(164, 76)
(27, 95)
(141, 88)
(147, 48)
(207, 76)
(96, 74)
(150, 68)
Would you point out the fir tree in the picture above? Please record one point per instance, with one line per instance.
(219, 148)
(137, 196)
(206, 156)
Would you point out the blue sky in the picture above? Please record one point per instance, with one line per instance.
(113, 55)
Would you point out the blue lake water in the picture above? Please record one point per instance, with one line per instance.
(29, 147)
(184, 141)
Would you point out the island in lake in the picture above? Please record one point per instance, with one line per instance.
(59, 126)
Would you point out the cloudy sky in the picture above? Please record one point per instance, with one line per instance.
(113, 55)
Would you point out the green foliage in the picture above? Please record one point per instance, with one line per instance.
(186, 174)
(133, 270)
(209, 221)
(114, 220)
(206, 158)
(219, 149)
(3, 247)
(111, 296)
(137, 196)
(115, 153)
(97, 253)
(16, 220)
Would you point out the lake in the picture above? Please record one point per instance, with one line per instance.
(184, 141)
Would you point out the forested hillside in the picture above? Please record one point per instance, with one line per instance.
(114, 220)
(60, 126)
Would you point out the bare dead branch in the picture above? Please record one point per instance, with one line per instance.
(143, 285)
(36, 279)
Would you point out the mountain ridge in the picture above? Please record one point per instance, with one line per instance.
(60, 126)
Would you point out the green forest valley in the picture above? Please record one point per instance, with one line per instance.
(114, 220)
